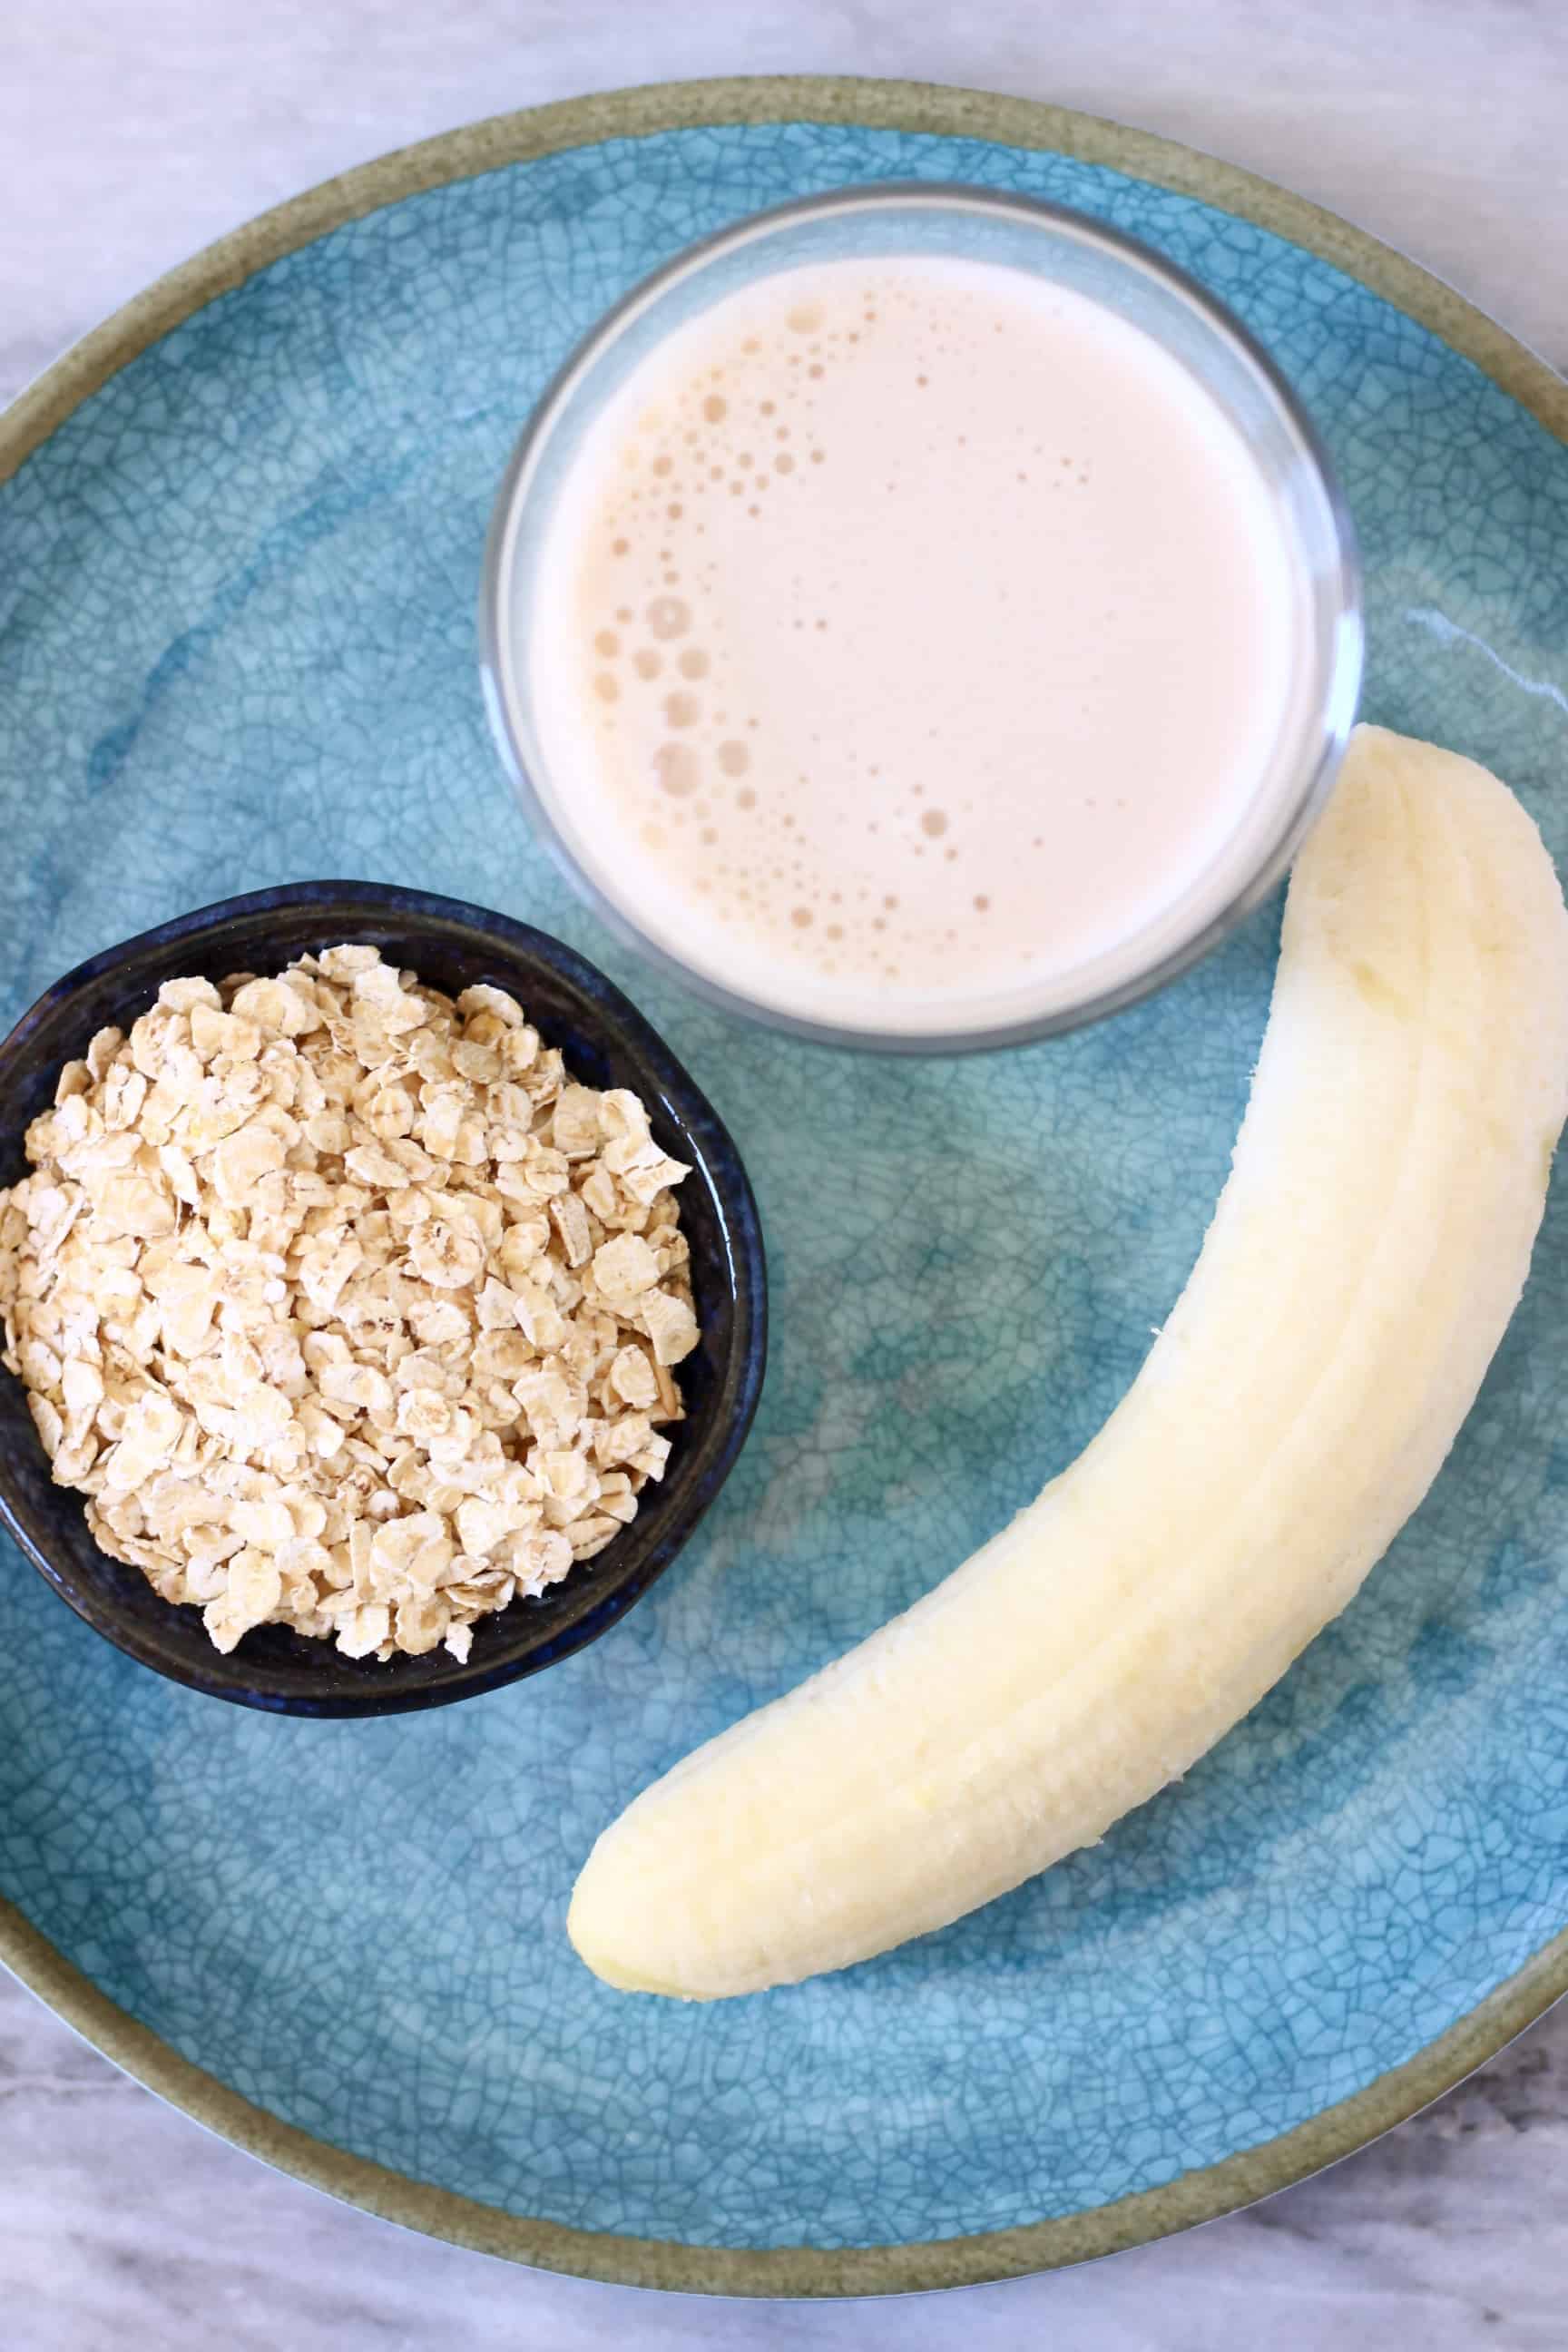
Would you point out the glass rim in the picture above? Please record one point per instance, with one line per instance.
(1315, 757)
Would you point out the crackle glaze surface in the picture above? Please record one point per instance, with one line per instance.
(236, 592)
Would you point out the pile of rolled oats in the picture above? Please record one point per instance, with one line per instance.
(345, 1306)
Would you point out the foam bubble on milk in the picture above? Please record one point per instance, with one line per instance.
(844, 609)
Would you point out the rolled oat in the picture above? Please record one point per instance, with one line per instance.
(344, 1306)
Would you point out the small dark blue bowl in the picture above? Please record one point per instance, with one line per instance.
(606, 1043)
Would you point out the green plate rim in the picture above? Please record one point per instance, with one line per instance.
(787, 2271)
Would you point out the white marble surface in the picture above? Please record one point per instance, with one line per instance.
(130, 134)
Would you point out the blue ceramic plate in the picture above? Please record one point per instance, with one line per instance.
(238, 557)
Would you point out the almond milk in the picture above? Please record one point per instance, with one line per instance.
(912, 635)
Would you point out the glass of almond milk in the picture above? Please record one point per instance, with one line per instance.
(925, 619)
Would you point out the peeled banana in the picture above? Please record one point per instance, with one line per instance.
(1366, 1255)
